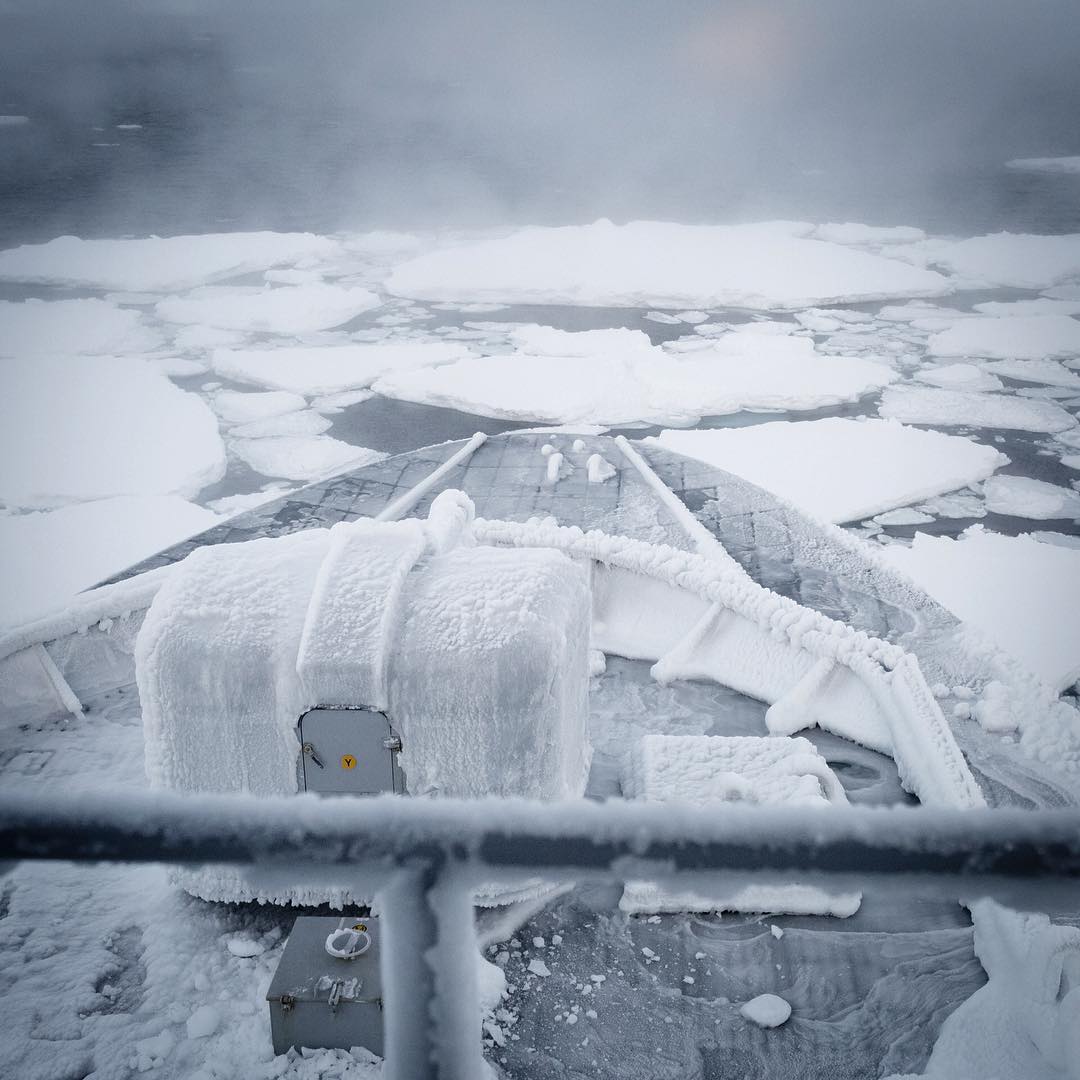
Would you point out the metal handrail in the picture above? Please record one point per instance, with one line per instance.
(424, 856)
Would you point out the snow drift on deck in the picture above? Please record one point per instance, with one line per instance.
(773, 265)
(707, 770)
(841, 470)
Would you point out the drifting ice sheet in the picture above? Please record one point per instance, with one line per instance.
(1005, 260)
(296, 457)
(1024, 496)
(1045, 164)
(77, 429)
(1013, 337)
(72, 326)
(597, 377)
(158, 264)
(46, 558)
(959, 408)
(291, 309)
(330, 369)
(1022, 594)
(842, 470)
(650, 264)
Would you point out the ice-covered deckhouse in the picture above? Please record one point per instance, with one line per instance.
(542, 616)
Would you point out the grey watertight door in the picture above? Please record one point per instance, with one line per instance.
(348, 750)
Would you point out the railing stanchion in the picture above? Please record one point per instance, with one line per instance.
(428, 962)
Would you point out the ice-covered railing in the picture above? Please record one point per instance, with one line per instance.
(748, 637)
(423, 856)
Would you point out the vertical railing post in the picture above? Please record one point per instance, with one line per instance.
(428, 961)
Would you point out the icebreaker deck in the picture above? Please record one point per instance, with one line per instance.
(869, 993)
(818, 565)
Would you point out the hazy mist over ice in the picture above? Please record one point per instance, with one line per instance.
(323, 114)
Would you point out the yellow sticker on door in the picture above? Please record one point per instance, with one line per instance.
(348, 761)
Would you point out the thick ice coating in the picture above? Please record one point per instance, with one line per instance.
(479, 656)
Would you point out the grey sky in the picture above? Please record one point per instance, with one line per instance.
(494, 111)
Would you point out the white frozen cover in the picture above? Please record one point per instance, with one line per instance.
(707, 769)
(478, 655)
(352, 616)
(726, 768)
(489, 679)
(215, 662)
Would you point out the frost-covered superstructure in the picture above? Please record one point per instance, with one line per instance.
(478, 655)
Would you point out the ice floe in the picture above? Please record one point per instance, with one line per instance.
(237, 407)
(75, 429)
(773, 265)
(588, 378)
(1048, 372)
(302, 423)
(842, 470)
(1024, 496)
(1012, 337)
(46, 557)
(1045, 164)
(960, 377)
(962, 408)
(158, 264)
(1023, 594)
(290, 309)
(323, 370)
(1004, 260)
(72, 326)
(295, 457)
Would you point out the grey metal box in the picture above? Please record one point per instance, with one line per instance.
(349, 750)
(321, 1001)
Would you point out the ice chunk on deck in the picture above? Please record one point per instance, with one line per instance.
(158, 264)
(706, 770)
(1024, 595)
(842, 470)
(652, 264)
(70, 429)
(766, 1010)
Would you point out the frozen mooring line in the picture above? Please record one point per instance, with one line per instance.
(424, 856)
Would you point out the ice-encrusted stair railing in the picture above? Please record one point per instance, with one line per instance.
(699, 618)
